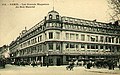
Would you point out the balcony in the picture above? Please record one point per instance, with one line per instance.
(94, 53)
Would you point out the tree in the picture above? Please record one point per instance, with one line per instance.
(114, 5)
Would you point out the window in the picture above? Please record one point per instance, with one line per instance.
(88, 37)
(50, 16)
(40, 37)
(112, 39)
(88, 46)
(50, 45)
(76, 45)
(117, 39)
(96, 38)
(50, 35)
(77, 36)
(106, 39)
(72, 45)
(96, 46)
(106, 47)
(101, 38)
(50, 24)
(35, 40)
(92, 46)
(40, 48)
(57, 16)
(82, 45)
(57, 35)
(45, 36)
(82, 37)
(28, 42)
(67, 35)
(67, 45)
(109, 39)
(93, 38)
(101, 47)
(57, 46)
(72, 36)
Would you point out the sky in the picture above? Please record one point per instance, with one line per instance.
(13, 20)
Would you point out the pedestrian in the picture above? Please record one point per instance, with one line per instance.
(47, 64)
(88, 65)
(119, 66)
(41, 63)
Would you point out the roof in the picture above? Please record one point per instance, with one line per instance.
(53, 11)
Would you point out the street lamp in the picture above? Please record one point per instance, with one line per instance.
(47, 60)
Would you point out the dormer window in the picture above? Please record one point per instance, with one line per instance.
(50, 16)
(57, 16)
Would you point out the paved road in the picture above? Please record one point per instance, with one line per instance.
(52, 70)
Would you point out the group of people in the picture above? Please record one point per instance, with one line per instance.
(23, 63)
(110, 64)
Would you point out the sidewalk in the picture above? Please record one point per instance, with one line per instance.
(104, 70)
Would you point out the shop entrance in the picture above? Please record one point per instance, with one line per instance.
(59, 61)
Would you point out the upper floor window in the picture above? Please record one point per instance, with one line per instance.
(77, 36)
(112, 39)
(50, 35)
(88, 37)
(67, 45)
(82, 45)
(96, 38)
(72, 36)
(57, 16)
(101, 38)
(50, 16)
(57, 35)
(50, 46)
(67, 35)
(72, 45)
(40, 37)
(57, 46)
(93, 46)
(101, 46)
(45, 36)
(117, 39)
(82, 37)
(29, 42)
(35, 40)
(88, 46)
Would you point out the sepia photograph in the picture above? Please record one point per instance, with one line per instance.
(59, 37)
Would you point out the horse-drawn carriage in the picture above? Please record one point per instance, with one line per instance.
(70, 66)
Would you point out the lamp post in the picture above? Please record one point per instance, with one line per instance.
(47, 60)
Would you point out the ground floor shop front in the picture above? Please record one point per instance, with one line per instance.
(58, 60)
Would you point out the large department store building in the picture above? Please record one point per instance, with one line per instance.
(58, 39)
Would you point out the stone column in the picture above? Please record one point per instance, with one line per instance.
(79, 47)
(36, 58)
(42, 59)
(30, 59)
(98, 47)
(103, 47)
(54, 60)
(85, 47)
(54, 46)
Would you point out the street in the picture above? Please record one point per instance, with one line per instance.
(54, 70)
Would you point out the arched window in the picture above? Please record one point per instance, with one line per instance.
(57, 16)
(50, 16)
